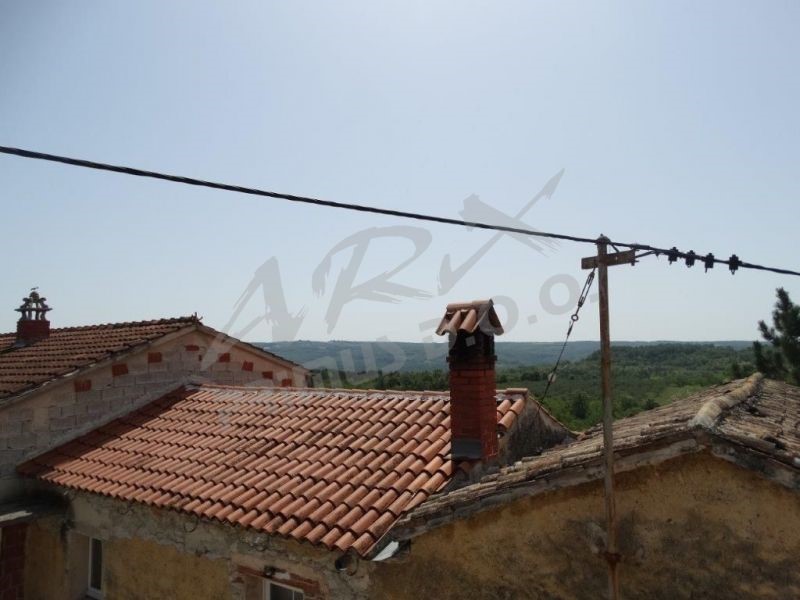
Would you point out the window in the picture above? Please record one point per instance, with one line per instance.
(276, 591)
(95, 587)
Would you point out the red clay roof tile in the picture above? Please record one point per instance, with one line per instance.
(274, 460)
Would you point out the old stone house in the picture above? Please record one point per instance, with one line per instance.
(249, 492)
(58, 383)
(707, 496)
(227, 491)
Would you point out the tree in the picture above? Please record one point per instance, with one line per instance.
(579, 407)
(779, 356)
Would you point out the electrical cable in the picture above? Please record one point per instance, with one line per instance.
(673, 254)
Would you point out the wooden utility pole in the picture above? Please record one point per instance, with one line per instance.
(601, 262)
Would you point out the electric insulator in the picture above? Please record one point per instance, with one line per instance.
(672, 255)
(734, 263)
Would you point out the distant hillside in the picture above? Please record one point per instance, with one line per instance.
(359, 357)
(643, 377)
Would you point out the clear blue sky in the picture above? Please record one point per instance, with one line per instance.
(676, 123)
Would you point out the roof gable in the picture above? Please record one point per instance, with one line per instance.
(71, 349)
(330, 467)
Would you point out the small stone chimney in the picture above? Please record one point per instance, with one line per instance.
(33, 325)
(471, 328)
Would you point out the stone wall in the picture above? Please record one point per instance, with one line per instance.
(694, 527)
(64, 409)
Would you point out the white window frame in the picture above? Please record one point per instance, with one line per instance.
(90, 591)
(270, 582)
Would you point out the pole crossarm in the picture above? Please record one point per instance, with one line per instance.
(627, 257)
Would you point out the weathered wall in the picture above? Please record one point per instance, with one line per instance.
(64, 410)
(140, 570)
(694, 527)
(47, 570)
(165, 554)
(133, 569)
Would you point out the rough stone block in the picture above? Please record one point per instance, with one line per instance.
(225, 378)
(11, 457)
(8, 428)
(135, 391)
(87, 397)
(88, 421)
(22, 441)
(113, 394)
(68, 410)
(65, 396)
(158, 367)
(102, 379)
(120, 404)
(97, 407)
(62, 423)
(20, 414)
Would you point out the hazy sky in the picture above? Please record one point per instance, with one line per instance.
(675, 123)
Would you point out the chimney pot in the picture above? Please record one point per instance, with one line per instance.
(33, 325)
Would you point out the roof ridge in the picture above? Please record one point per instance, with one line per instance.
(715, 407)
(212, 384)
(162, 321)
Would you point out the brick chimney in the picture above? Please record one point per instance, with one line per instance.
(471, 328)
(33, 325)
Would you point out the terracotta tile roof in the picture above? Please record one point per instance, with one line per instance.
(469, 317)
(753, 414)
(72, 348)
(330, 467)
(768, 422)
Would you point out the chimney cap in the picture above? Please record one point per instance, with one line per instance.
(470, 317)
(34, 307)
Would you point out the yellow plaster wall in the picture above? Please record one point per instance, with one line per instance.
(56, 569)
(694, 527)
(138, 570)
(45, 563)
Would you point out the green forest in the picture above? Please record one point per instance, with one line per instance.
(643, 377)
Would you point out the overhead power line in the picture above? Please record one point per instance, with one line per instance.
(673, 254)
